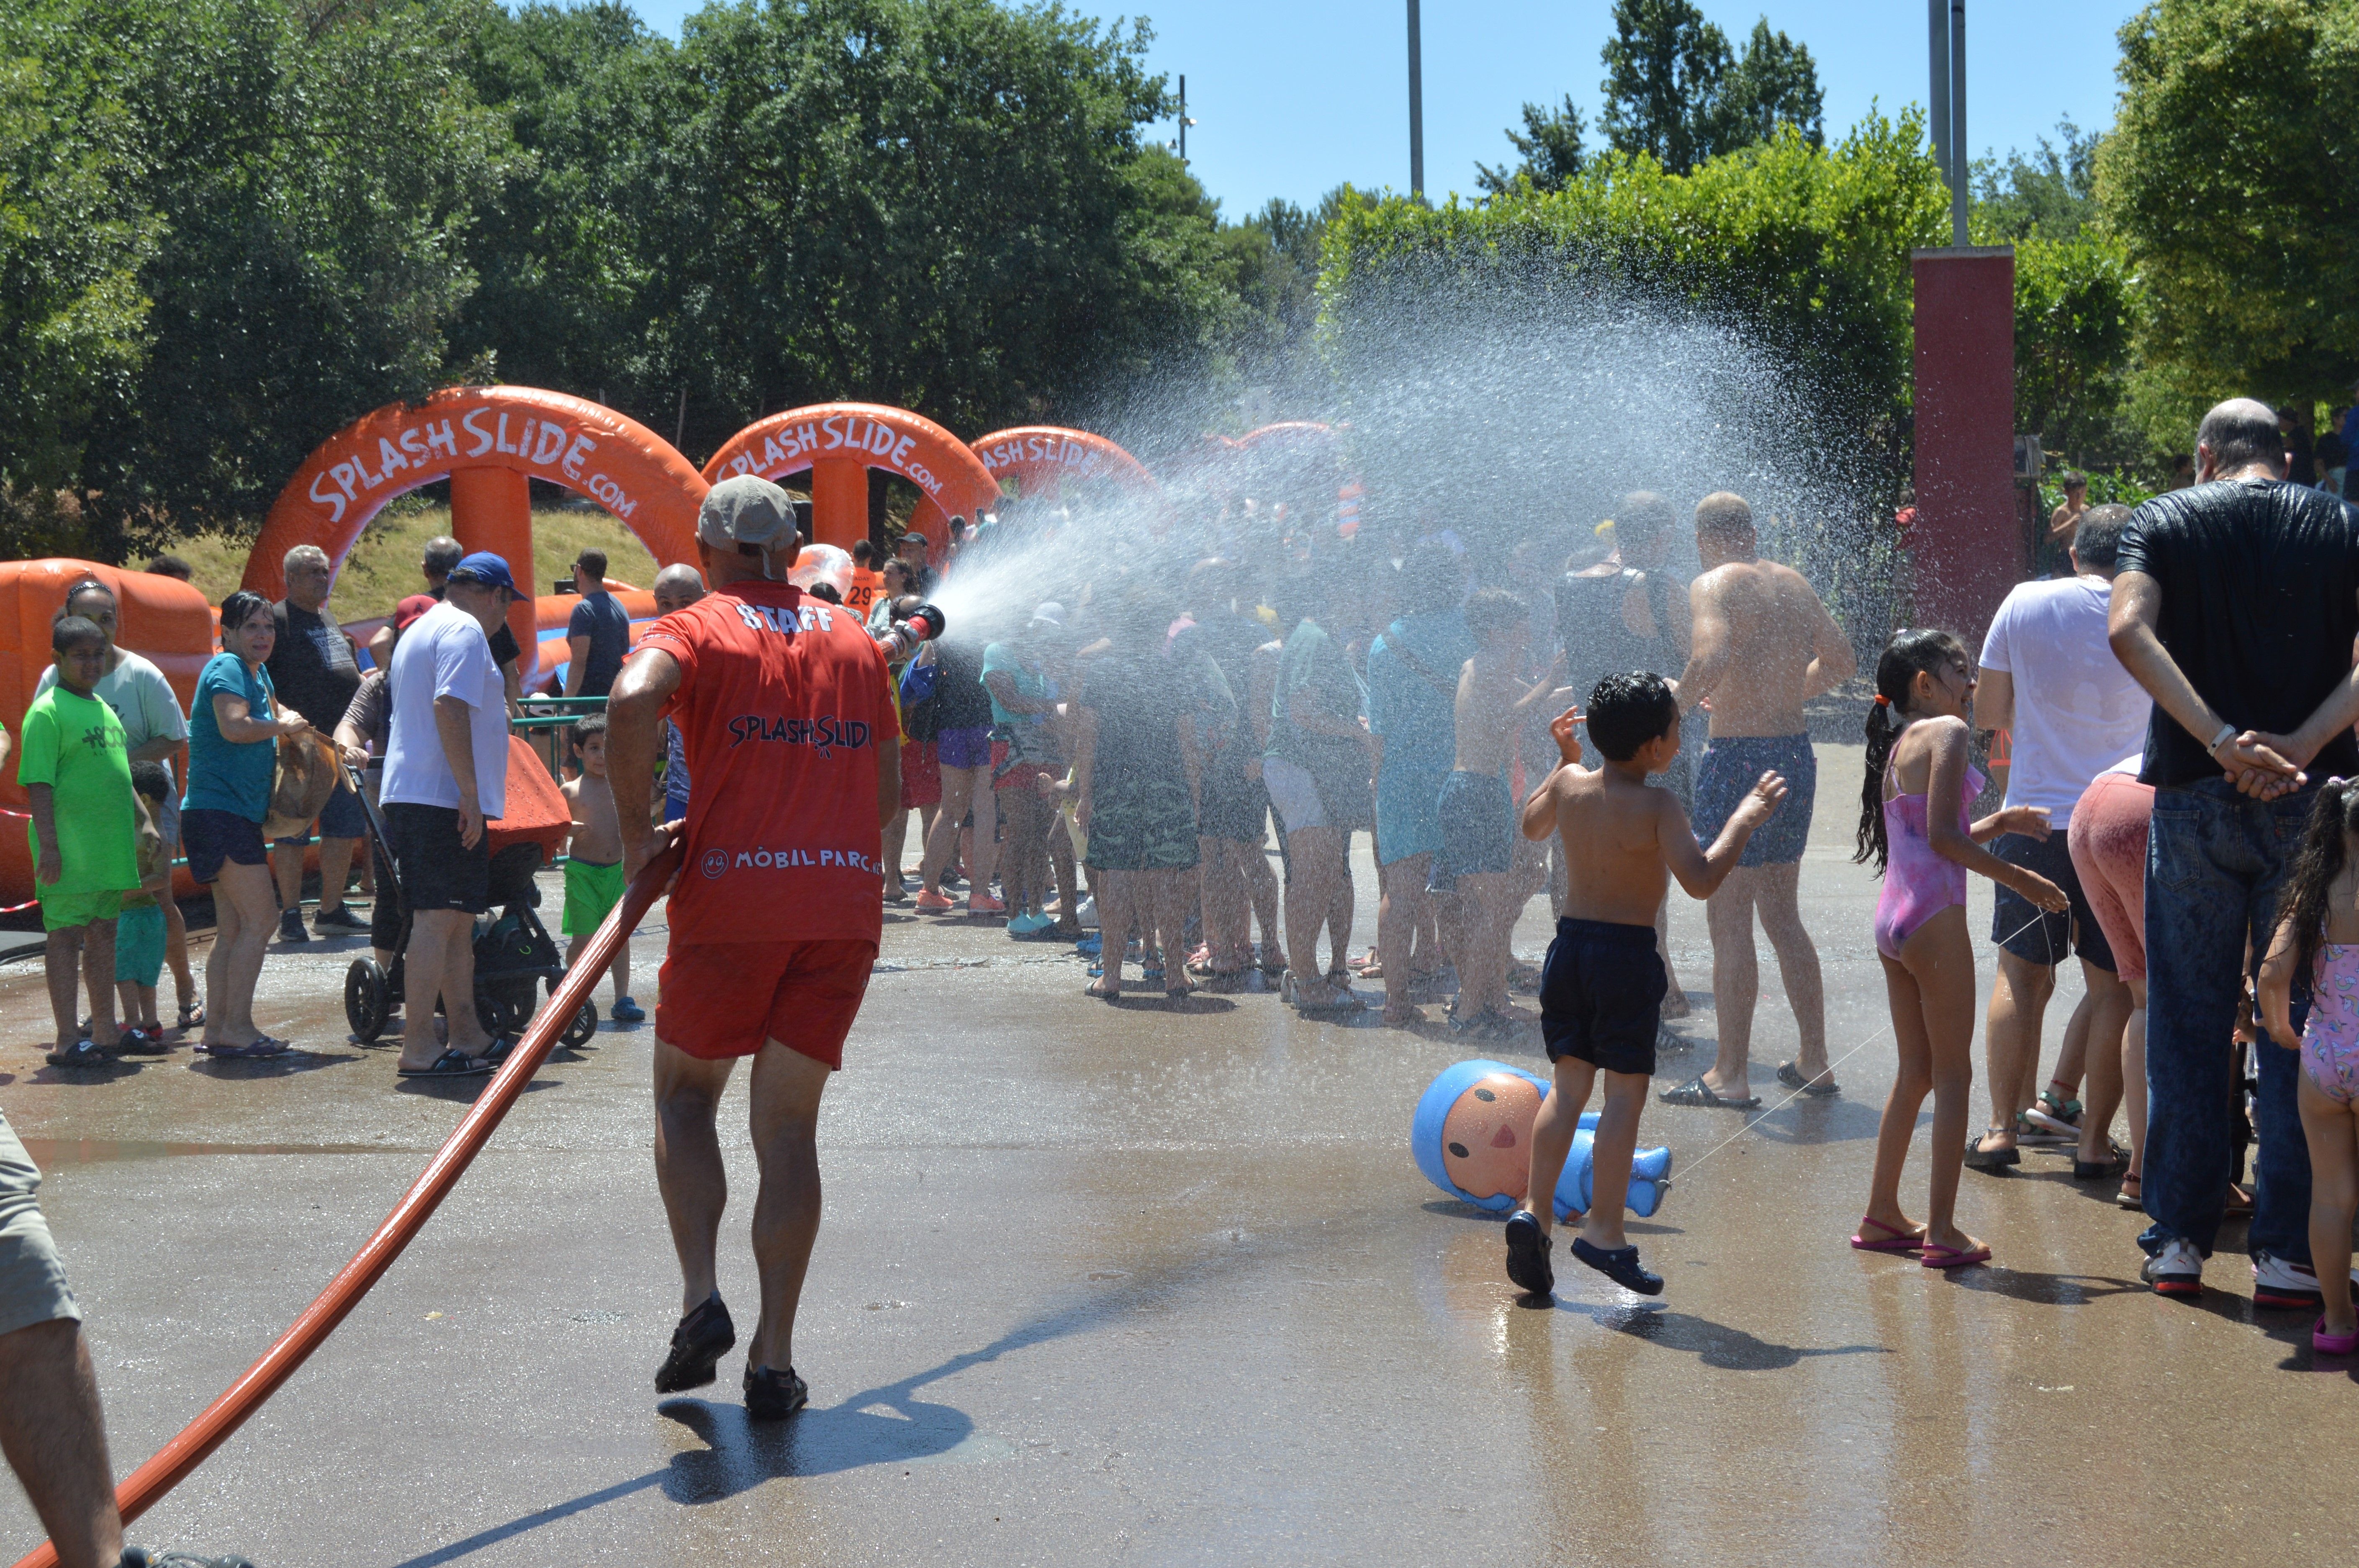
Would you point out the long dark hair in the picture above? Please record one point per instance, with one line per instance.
(1910, 653)
(2320, 861)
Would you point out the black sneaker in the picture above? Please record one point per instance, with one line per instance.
(139, 1557)
(1527, 1254)
(1620, 1265)
(340, 918)
(703, 1338)
(773, 1395)
(290, 926)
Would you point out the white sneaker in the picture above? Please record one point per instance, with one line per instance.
(2282, 1282)
(1087, 915)
(2175, 1271)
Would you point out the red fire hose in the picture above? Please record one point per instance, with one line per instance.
(173, 1462)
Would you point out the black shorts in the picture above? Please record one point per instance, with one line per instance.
(2024, 929)
(1234, 808)
(1602, 992)
(1478, 830)
(210, 836)
(437, 871)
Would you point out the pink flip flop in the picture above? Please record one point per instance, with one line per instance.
(1894, 1240)
(2327, 1344)
(1939, 1257)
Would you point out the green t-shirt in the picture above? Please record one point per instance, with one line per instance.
(75, 745)
(1313, 663)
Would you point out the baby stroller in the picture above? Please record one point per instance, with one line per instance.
(515, 954)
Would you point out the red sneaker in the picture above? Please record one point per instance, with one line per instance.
(984, 904)
(932, 903)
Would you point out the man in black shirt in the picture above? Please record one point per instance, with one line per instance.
(313, 672)
(598, 633)
(2235, 606)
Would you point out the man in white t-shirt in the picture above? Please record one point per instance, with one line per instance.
(2050, 677)
(446, 763)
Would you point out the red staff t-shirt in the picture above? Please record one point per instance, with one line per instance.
(782, 705)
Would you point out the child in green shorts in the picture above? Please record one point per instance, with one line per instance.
(139, 929)
(593, 870)
(76, 766)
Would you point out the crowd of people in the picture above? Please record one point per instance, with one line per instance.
(1500, 724)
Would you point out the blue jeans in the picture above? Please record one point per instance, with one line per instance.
(2215, 862)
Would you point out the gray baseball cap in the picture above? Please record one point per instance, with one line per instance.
(744, 509)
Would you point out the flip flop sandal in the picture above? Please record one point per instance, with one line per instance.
(2125, 1198)
(1981, 1159)
(1892, 1241)
(1272, 964)
(452, 1064)
(81, 1054)
(497, 1051)
(2097, 1170)
(1695, 1091)
(1790, 1075)
(193, 1016)
(1936, 1256)
(1342, 1002)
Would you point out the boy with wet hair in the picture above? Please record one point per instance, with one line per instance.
(1602, 986)
(593, 864)
(75, 766)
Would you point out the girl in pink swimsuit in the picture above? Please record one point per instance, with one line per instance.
(1913, 827)
(2317, 941)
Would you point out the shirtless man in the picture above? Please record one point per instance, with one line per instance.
(1624, 841)
(1764, 645)
(1472, 871)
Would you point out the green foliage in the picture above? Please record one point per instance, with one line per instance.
(72, 240)
(2051, 195)
(1550, 150)
(2107, 487)
(2222, 177)
(1806, 247)
(1270, 262)
(2076, 309)
(1675, 91)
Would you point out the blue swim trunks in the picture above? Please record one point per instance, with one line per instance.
(1731, 767)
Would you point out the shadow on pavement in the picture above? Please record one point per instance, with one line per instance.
(1716, 1344)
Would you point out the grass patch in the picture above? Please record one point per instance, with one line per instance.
(383, 566)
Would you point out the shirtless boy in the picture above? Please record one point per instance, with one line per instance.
(594, 866)
(1473, 871)
(1603, 985)
(1764, 645)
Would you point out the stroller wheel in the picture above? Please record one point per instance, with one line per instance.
(493, 1011)
(582, 1025)
(367, 1000)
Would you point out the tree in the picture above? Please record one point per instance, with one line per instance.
(2223, 177)
(73, 239)
(1664, 69)
(1675, 91)
(1549, 147)
(1775, 84)
(311, 170)
(2076, 309)
(2051, 195)
(1271, 264)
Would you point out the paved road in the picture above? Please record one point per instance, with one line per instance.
(1153, 1285)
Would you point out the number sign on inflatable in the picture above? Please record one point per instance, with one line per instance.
(1472, 1136)
(489, 442)
(838, 443)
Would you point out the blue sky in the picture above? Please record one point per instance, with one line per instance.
(1293, 97)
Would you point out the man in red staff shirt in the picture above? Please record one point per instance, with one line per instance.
(777, 908)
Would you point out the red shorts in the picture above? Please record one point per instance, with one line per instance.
(921, 775)
(724, 999)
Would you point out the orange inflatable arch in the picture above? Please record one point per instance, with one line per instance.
(1039, 458)
(838, 443)
(160, 617)
(489, 442)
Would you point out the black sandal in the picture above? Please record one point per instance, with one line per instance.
(1790, 1075)
(1981, 1159)
(1695, 1091)
(84, 1053)
(452, 1064)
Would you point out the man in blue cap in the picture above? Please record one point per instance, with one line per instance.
(445, 773)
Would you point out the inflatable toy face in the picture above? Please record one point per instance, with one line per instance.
(1486, 1137)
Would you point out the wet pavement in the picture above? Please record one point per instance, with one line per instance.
(1151, 1282)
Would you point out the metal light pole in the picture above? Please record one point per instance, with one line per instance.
(1416, 109)
(1946, 31)
(1184, 121)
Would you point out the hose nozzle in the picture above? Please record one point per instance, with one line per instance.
(924, 622)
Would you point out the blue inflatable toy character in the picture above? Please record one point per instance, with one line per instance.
(1472, 1137)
